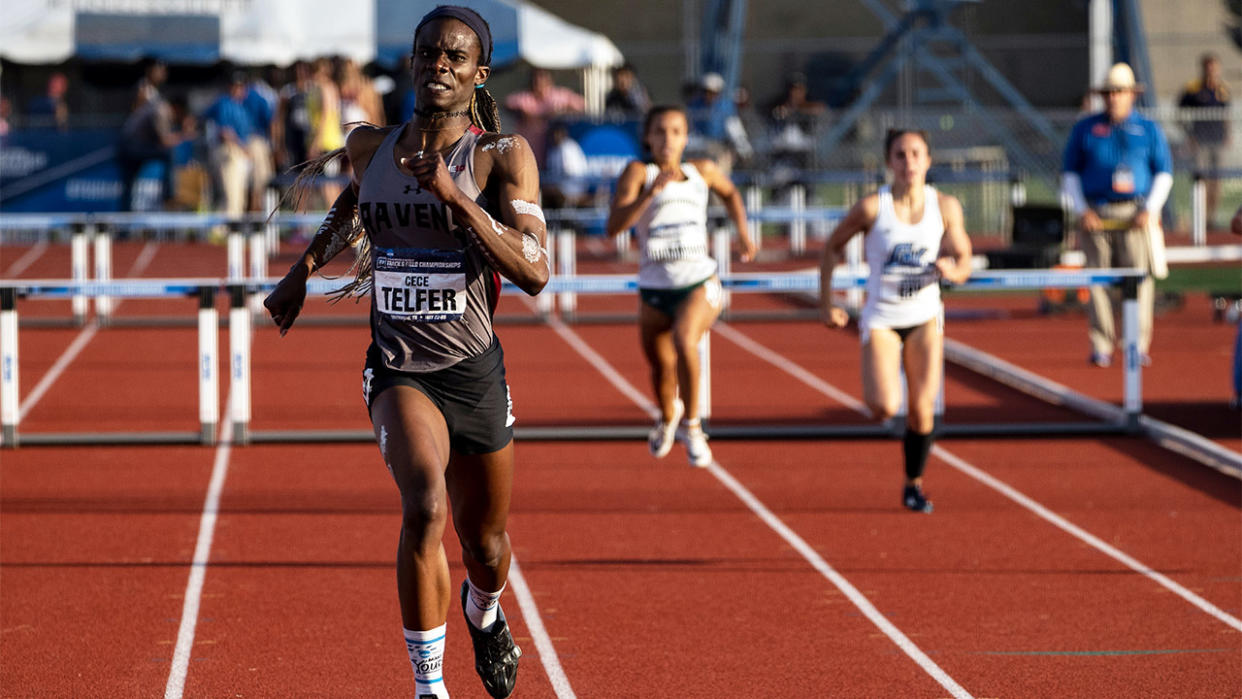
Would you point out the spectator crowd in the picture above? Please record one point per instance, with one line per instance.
(220, 148)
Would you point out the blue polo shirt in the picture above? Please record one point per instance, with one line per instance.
(1097, 149)
(259, 109)
(231, 114)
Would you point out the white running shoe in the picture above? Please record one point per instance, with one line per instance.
(697, 451)
(660, 439)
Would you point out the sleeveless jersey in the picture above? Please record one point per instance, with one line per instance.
(903, 288)
(672, 233)
(433, 293)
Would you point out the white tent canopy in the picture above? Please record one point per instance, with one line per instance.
(277, 31)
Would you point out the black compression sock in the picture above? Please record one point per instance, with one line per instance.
(916, 447)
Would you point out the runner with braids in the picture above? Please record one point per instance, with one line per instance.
(447, 205)
(915, 236)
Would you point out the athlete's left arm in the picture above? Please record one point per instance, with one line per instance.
(955, 252)
(516, 245)
(724, 188)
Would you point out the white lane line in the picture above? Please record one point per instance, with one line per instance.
(1171, 437)
(602, 366)
(20, 264)
(1085, 536)
(767, 517)
(198, 566)
(530, 611)
(144, 258)
(543, 642)
(79, 343)
(1030, 504)
(792, 369)
(62, 362)
(859, 599)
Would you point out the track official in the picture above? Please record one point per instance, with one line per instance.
(1117, 174)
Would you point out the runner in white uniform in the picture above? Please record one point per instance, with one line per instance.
(915, 237)
(672, 232)
(665, 201)
(447, 204)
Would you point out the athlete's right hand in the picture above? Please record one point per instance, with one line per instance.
(285, 301)
(662, 179)
(834, 316)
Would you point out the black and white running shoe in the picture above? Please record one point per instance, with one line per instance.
(914, 499)
(495, 653)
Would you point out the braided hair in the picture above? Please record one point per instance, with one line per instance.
(341, 231)
(484, 112)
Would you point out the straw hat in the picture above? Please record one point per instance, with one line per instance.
(1120, 77)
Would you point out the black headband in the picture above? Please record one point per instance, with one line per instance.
(466, 16)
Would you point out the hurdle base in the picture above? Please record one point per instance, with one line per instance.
(65, 439)
(603, 433)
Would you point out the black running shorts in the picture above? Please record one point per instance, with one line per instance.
(472, 395)
(667, 301)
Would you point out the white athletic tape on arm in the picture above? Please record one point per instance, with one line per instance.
(1161, 185)
(528, 208)
(1071, 187)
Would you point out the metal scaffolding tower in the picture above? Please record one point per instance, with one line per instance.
(910, 42)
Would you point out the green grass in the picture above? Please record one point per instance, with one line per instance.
(1201, 278)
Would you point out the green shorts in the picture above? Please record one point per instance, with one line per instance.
(667, 301)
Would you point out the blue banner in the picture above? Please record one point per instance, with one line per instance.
(51, 170)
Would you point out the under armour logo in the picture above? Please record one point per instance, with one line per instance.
(415, 188)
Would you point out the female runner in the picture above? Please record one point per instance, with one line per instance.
(915, 237)
(447, 205)
(665, 201)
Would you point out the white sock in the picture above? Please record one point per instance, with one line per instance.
(426, 650)
(483, 608)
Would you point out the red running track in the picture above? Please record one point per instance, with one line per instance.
(651, 578)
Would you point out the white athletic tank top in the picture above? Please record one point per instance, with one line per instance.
(672, 233)
(433, 293)
(903, 288)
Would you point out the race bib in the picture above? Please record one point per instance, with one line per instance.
(1123, 180)
(904, 286)
(675, 242)
(420, 286)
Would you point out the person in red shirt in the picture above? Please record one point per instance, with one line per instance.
(535, 108)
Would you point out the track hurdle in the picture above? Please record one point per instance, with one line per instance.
(9, 411)
(1125, 421)
(78, 265)
(205, 365)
